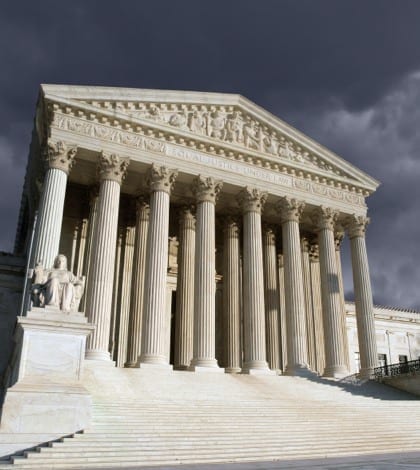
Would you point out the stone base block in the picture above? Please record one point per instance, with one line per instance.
(335, 372)
(259, 371)
(233, 370)
(48, 408)
(98, 356)
(206, 369)
(183, 367)
(151, 366)
(299, 371)
(45, 394)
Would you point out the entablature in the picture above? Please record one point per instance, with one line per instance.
(281, 160)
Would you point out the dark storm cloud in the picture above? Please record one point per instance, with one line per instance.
(340, 71)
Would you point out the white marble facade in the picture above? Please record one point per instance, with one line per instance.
(208, 231)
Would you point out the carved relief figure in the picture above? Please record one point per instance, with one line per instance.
(234, 126)
(57, 287)
(286, 149)
(271, 144)
(252, 134)
(217, 123)
(154, 114)
(198, 123)
(179, 120)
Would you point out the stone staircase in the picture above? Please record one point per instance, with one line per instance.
(148, 417)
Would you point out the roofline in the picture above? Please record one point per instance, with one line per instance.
(51, 91)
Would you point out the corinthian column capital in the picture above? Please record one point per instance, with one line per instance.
(290, 209)
(314, 253)
(206, 188)
(231, 227)
(60, 156)
(252, 199)
(338, 238)
(304, 245)
(187, 217)
(325, 218)
(142, 208)
(112, 167)
(161, 178)
(269, 235)
(356, 225)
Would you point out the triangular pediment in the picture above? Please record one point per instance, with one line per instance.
(227, 120)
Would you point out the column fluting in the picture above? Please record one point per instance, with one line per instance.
(308, 302)
(338, 237)
(363, 295)
(252, 201)
(297, 359)
(153, 348)
(206, 190)
(59, 159)
(282, 310)
(125, 290)
(139, 267)
(112, 170)
(231, 296)
(335, 362)
(184, 317)
(317, 308)
(271, 299)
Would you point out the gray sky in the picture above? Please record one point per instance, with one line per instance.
(347, 73)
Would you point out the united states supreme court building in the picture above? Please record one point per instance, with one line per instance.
(184, 240)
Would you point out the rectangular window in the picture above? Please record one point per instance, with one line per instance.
(382, 360)
(402, 359)
(357, 360)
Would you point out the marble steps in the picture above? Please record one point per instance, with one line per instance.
(145, 418)
(233, 455)
(163, 440)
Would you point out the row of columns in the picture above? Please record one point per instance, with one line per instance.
(147, 316)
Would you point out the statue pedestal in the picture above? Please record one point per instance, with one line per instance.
(44, 393)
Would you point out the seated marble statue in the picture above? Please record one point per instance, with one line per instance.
(57, 287)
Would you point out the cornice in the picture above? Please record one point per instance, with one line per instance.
(320, 166)
(151, 141)
(130, 131)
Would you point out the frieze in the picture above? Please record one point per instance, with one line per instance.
(227, 165)
(224, 123)
(246, 168)
(100, 131)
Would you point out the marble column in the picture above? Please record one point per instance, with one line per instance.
(282, 309)
(363, 295)
(184, 317)
(338, 238)
(252, 201)
(125, 295)
(297, 358)
(271, 296)
(112, 170)
(116, 296)
(231, 296)
(335, 361)
(317, 308)
(82, 247)
(139, 266)
(206, 191)
(308, 302)
(59, 160)
(93, 210)
(153, 348)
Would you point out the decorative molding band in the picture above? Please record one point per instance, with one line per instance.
(237, 163)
